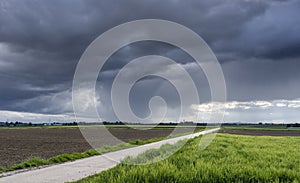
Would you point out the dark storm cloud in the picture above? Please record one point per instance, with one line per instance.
(42, 41)
(262, 79)
(71, 25)
(275, 35)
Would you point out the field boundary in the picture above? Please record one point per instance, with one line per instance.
(261, 132)
(78, 169)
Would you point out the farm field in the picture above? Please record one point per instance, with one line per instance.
(230, 158)
(264, 132)
(19, 144)
(260, 127)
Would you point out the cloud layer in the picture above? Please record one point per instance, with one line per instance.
(256, 42)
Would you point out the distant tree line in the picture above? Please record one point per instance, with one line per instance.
(185, 123)
(293, 125)
(23, 124)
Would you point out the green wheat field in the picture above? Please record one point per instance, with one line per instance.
(229, 158)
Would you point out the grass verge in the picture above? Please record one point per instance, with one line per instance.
(230, 158)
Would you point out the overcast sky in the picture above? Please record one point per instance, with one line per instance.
(256, 42)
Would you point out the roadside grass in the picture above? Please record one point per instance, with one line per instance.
(143, 142)
(36, 161)
(230, 158)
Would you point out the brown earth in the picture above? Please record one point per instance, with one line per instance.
(263, 132)
(17, 145)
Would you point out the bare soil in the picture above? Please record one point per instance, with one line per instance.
(263, 132)
(17, 145)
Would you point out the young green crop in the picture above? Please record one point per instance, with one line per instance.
(230, 158)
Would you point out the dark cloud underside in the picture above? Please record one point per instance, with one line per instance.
(256, 42)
